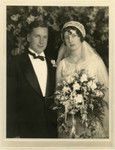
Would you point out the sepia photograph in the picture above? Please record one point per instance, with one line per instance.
(58, 82)
(57, 72)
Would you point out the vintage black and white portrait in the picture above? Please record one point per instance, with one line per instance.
(57, 72)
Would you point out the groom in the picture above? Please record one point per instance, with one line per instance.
(30, 86)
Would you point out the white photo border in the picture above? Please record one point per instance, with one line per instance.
(57, 143)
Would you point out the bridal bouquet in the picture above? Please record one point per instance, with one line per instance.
(79, 97)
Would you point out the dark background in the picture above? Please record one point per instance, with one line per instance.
(94, 19)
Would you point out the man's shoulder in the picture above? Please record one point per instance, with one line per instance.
(19, 57)
(15, 61)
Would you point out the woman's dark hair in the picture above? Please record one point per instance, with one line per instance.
(72, 28)
(36, 24)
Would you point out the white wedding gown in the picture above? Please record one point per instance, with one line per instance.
(94, 67)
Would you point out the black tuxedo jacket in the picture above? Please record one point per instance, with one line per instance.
(28, 112)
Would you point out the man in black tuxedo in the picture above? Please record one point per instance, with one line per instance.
(30, 86)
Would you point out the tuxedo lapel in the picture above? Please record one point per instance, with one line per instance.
(50, 77)
(29, 72)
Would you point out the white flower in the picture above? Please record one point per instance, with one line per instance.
(76, 74)
(66, 97)
(64, 82)
(66, 103)
(62, 98)
(59, 84)
(91, 84)
(83, 77)
(99, 93)
(57, 92)
(58, 97)
(30, 19)
(91, 106)
(53, 62)
(76, 86)
(84, 89)
(15, 17)
(66, 89)
(79, 98)
(70, 79)
(84, 117)
(72, 95)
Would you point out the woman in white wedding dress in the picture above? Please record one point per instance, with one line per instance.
(77, 54)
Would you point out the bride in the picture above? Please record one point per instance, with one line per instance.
(77, 54)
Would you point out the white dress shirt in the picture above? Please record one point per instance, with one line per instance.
(40, 68)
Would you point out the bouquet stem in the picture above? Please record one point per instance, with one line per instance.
(73, 130)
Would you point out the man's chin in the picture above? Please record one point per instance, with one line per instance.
(40, 50)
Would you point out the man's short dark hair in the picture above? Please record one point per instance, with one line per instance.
(36, 24)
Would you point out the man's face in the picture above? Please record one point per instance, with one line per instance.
(38, 39)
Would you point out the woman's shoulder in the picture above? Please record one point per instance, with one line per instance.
(62, 62)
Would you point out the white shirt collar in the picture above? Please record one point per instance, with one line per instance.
(41, 54)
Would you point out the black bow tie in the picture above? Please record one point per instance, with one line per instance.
(35, 57)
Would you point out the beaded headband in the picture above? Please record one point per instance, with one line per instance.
(76, 24)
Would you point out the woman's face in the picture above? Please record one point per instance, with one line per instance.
(72, 40)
